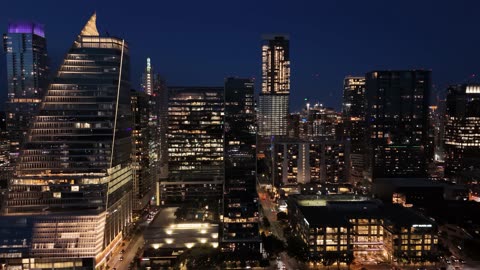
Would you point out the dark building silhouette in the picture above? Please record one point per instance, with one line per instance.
(397, 123)
(353, 112)
(144, 158)
(240, 200)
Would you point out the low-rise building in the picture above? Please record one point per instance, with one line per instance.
(346, 226)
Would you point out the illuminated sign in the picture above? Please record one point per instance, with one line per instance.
(422, 225)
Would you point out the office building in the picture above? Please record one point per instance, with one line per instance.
(240, 200)
(462, 130)
(344, 227)
(353, 112)
(397, 123)
(273, 103)
(25, 49)
(195, 144)
(71, 197)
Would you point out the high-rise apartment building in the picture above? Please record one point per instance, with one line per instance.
(303, 162)
(462, 129)
(155, 91)
(240, 200)
(195, 144)
(273, 103)
(71, 197)
(144, 162)
(397, 123)
(25, 49)
(353, 110)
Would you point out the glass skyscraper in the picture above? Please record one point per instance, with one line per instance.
(25, 48)
(397, 122)
(71, 194)
(240, 210)
(273, 106)
(195, 144)
(353, 110)
(462, 130)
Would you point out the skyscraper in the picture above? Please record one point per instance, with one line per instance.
(195, 144)
(25, 48)
(148, 79)
(71, 196)
(353, 109)
(144, 142)
(273, 106)
(462, 130)
(397, 122)
(240, 201)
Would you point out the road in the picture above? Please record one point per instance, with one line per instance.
(270, 211)
(130, 251)
(131, 247)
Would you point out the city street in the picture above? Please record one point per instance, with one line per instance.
(270, 211)
(130, 248)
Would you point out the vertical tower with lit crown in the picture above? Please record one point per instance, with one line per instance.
(70, 199)
(273, 107)
(25, 48)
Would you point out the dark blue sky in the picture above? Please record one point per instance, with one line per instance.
(201, 42)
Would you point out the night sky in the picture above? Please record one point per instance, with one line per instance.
(202, 42)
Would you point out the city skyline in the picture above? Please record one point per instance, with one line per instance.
(302, 136)
(328, 40)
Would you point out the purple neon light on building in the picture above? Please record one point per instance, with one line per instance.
(26, 28)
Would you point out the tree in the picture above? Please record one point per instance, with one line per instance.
(297, 249)
(266, 223)
(201, 257)
(272, 244)
(282, 216)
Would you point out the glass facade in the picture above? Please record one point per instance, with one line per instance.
(25, 48)
(274, 98)
(75, 165)
(240, 209)
(195, 144)
(353, 108)
(144, 157)
(462, 129)
(397, 122)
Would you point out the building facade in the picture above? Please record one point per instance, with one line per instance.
(25, 49)
(195, 144)
(343, 227)
(301, 162)
(240, 199)
(353, 112)
(71, 193)
(462, 129)
(144, 163)
(273, 103)
(397, 123)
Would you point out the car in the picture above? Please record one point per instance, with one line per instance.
(462, 261)
(121, 258)
(448, 261)
(122, 251)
